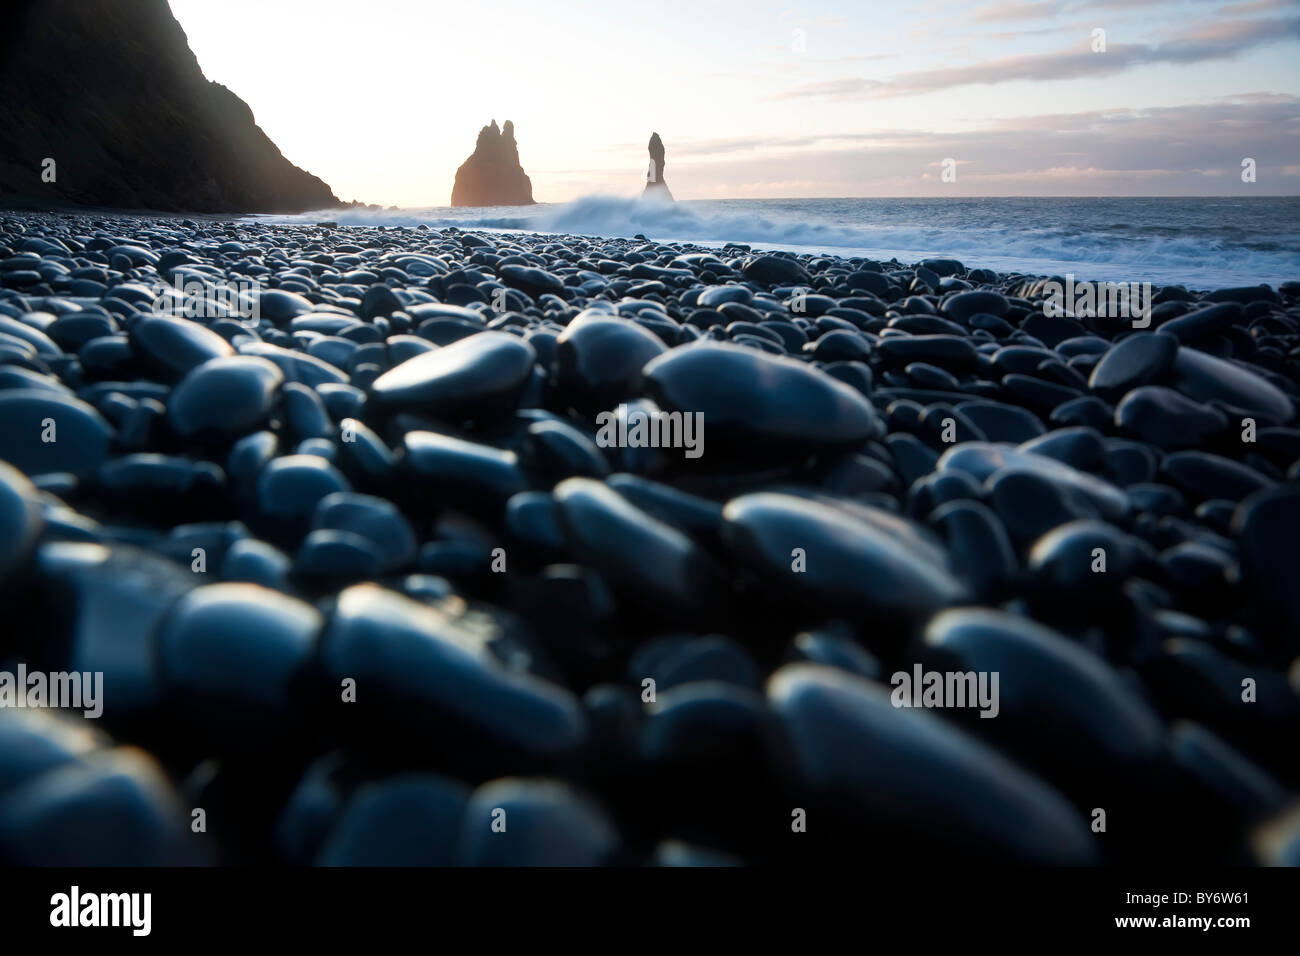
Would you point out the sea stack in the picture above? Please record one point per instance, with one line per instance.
(655, 185)
(492, 175)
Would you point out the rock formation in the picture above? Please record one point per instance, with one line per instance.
(492, 175)
(113, 95)
(655, 185)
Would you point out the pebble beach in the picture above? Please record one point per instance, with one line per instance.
(373, 532)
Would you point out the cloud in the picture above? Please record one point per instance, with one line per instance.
(1182, 150)
(1015, 10)
(1216, 41)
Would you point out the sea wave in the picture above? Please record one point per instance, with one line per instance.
(1189, 240)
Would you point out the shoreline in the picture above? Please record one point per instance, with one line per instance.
(1003, 264)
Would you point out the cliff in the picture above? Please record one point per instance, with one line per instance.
(111, 92)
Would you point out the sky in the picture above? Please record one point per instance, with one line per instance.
(383, 99)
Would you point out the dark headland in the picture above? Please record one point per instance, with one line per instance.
(112, 93)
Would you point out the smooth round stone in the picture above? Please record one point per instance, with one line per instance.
(1203, 322)
(864, 563)
(639, 553)
(1164, 418)
(772, 270)
(717, 295)
(363, 454)
(1079, 447)
(855, 374)
(981, 460)
(224, 398)
(110, 808)
(441, 674)
(304, 412)
(600, 359)
(290, 487)
(249, 455)
(1130, 462)
(79, 435)
(1140, 359)
(1202, 475)
(761, 404)
(154, 480)
(873, 282)
(33, 742)
(1061, 563)
(1156, 498)
(413, 819)
(374, 519)
(1030, 504)
(444, 319)
(172, 347)
(912, 457)
(1051, 690)
(851, 743)
(931, 376)
(710, 726)
(71, 332)
(34, 337)
(978, 542)
(1201, 573)
(1267, 527)
(933, 490)
(279, 305)
(238, 644)
(1205, 378)
(963, 305)
(534, 518)
(379, 300)
(1038, 393)
(112, 599)
(832, 648)
(296, 366)
(691, 513)
(1001, 422)
(547, 823)
(946, 351)
(329, 555)
(21, 519)
(403, 348)
(840, 345)
(1023, 359)
(481, 376)
(341, 401)
(528, 279)
(463, 470)
(256, 562)
(561, 451)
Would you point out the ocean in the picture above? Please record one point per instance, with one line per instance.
(1202, 243)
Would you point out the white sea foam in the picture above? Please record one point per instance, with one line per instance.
(1201, 242)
